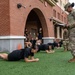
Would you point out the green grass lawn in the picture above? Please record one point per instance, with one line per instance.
(49, 64)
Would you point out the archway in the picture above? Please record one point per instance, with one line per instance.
(36, 20)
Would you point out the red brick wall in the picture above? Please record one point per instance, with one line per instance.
(4, 18)
(62, 13)
(14, 24)
(18, 17)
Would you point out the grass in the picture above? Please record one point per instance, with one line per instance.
(49, 64)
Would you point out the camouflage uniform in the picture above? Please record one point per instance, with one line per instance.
(71, 21)
(71, 29)
(65, 40)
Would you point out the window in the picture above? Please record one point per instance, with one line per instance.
(58, 15)
(62, 17)
(55, 31)
(54, 13)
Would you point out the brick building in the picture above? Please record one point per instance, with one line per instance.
(16, 15)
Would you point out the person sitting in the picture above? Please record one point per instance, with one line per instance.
(33, 41)
(40, 34)
(40, 47)
(16, 55)
(28, 44)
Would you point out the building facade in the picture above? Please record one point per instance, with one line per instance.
(17, 15)
(61, 3)
(59, 18)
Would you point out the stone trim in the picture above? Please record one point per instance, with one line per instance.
(12, 37)
(48, 38)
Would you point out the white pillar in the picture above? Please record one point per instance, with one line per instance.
(62, 33)
(58, 32)
(47, 40)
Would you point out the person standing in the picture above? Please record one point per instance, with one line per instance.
(71, 28)
(26, 34)
(40, 34)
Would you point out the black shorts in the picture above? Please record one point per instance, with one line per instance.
(14, 56)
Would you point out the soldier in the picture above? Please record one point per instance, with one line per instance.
(71, 28)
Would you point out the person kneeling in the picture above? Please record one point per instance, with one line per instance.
(16, 55)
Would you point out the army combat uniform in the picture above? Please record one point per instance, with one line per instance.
(65, 40)
(71, 28)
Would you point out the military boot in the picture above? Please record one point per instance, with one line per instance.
(72, 60)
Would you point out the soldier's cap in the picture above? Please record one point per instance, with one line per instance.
(68, 5)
